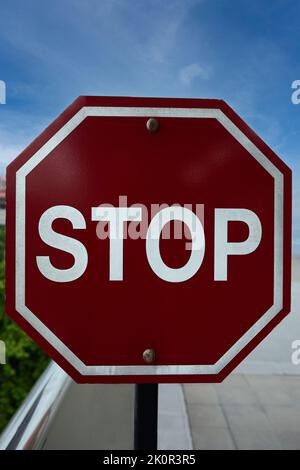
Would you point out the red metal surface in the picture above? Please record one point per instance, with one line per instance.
(188, 161)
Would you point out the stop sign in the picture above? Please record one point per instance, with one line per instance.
(148, 240)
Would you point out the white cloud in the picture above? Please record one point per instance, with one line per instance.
(192, 71)
(165, 23)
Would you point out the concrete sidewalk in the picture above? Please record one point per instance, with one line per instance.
(245, 412)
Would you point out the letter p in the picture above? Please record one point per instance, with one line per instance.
(224, 248)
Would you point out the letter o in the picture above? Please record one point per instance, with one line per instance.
(197, 240)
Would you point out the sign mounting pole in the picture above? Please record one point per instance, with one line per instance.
(145, 416)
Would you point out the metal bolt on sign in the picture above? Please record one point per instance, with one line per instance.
(152, 125)
(149, 355)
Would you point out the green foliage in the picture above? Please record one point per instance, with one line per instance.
(24, 359)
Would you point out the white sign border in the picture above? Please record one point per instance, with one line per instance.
(53, 340)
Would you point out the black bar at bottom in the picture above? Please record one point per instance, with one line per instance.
(145, 416)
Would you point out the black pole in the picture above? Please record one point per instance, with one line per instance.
(145, 416)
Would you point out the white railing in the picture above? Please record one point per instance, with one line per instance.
(28, 427)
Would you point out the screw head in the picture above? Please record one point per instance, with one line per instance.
(152, 125)
(149, 355)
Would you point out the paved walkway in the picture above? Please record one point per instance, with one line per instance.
(245, 412)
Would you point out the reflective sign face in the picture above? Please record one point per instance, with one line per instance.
(148, 240)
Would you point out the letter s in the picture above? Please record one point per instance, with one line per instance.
(62, 242)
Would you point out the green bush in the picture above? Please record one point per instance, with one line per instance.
(24, 359)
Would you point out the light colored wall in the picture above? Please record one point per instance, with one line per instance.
(94, 417)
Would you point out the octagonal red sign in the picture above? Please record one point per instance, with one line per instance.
(148, 240)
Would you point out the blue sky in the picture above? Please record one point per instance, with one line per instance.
(247, 53)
